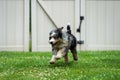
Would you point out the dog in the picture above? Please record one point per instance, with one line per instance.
(61, 43)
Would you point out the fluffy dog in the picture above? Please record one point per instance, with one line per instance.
(61, 42)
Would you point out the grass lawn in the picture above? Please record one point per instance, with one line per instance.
(92, 65)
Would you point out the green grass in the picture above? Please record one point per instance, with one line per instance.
(92, 65)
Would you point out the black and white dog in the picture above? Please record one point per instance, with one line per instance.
(61, 42)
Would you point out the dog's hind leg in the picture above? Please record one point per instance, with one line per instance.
(66, 58)
(74, 53)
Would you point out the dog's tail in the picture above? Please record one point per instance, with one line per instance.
(68, 28)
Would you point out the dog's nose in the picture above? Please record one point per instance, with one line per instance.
(51, 42)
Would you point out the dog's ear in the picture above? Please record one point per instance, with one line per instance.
(60, 32)
(60, 29)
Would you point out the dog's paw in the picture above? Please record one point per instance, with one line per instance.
(57, 57)
(75, 59)
(52, 62)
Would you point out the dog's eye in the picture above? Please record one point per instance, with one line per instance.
(50, 38)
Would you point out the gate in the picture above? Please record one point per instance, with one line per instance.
(49, 14)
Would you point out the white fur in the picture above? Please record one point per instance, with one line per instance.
(53, 59)
(53, 34)
(60, 54)
(52, 40)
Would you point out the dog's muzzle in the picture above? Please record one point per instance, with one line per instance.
(52, 41)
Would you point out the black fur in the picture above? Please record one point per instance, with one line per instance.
(71, 38)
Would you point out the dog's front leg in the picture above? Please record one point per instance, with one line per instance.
(53, 59)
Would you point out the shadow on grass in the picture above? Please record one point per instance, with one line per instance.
(62, 64)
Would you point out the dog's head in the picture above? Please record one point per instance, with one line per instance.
(55, 36)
